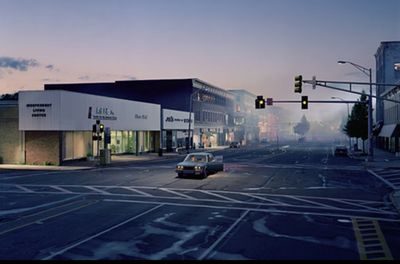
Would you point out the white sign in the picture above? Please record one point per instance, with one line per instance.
(177, 120)
(58, 110)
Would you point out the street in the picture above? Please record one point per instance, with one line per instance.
(297, 201)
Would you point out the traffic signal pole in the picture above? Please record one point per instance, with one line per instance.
(315, 82)
(317, 101)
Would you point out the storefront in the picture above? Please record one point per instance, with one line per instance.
(175, 127)
(57, 125)
(388, 138)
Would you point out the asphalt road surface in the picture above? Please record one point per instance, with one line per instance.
(295, 202)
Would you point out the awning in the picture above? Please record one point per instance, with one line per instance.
(390, 131)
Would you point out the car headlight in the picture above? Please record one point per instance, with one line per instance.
(179, 167)
(198, 168)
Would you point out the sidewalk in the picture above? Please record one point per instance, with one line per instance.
(384, 160)
(381, 159)
(83, 164)
(116, 160)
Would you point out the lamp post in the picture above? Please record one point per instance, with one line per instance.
(190, 119)
(348, 115)
(367, 72)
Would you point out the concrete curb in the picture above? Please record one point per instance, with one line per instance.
(93, 164)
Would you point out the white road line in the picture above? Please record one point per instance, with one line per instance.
(389, 174)
(265, 199)
(205, 253)
(273, 210)
(211, 192)
(312, 202)
(20, 210)
(179, 194)
(315, 197)
(220, 196)
(382, 179)
(356, 205)
(60, 189)
(372, 210)
(99, 234)
(97, 190)
(36, 174)
(134, 190)
(24, 189)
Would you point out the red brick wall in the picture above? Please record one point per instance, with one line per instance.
(42, 147)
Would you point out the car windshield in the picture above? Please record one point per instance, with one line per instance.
(196, 158)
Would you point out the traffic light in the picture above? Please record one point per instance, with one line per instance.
(304, 102)
(101, 128)
(298, 82)
(260, 102)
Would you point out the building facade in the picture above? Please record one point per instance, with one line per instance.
(51, 127)
(246, 130)
(12, 140)
(388, 113)
(210, 107)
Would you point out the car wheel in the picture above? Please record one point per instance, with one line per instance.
(205, 173)
(180, 175)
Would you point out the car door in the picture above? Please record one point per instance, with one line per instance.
(210, 163)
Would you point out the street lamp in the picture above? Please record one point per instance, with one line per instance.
(190, 118)
(348, 115)
(367, 72)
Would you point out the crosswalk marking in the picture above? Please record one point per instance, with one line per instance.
(382, 178)
(381, 210)
(370, 251)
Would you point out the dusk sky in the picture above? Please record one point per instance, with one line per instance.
(257, 45)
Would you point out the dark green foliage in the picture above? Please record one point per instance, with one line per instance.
(357, 124)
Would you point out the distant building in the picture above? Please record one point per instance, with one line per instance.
(388, 113)
(246, 117)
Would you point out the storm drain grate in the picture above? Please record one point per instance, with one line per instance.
(370, 240)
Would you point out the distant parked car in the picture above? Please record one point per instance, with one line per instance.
(199, 164)
(234, 144)
(341, 150)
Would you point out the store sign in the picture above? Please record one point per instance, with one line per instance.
(57, 110)
(39, 110)
(177, 120)
(102, 113)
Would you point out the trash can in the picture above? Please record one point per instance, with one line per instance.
(160, 152)
(105, 156)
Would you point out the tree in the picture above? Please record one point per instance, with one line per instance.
(302, 127)
(9, 96)
(357, 124)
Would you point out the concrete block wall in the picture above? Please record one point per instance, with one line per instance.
(42, 147)
(11, 139)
